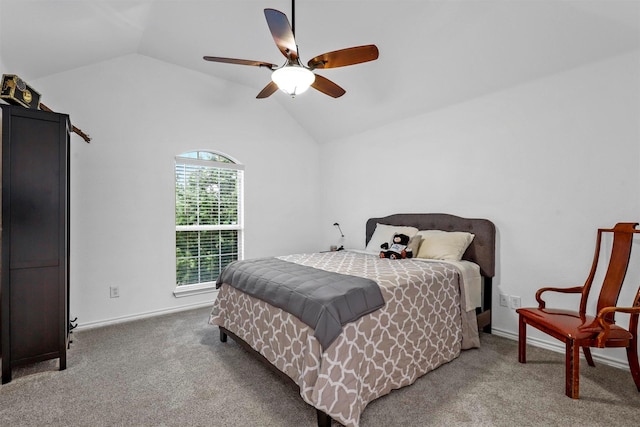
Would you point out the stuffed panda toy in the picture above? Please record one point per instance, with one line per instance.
(398, 249)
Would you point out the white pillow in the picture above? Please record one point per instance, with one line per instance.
(384, 233)
(446, 245)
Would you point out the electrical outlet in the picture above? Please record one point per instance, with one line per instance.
(515, 302)
(504, 300)
(114, 291)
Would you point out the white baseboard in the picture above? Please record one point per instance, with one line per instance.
(132, 317)
(558, 347)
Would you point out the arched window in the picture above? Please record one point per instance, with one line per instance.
(209, 217)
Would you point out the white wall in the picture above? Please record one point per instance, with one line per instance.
(140, 113)
(548, 162)
(3, 70)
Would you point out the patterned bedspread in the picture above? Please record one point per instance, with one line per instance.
(418, 329)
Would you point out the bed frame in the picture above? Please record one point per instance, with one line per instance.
(481, 251)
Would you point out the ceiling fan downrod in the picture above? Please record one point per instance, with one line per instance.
(293, 17)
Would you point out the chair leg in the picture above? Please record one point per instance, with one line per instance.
(522, 340)
(632, 355)
(587, 355)
(572, 367)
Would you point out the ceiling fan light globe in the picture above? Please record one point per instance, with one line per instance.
(292, 79)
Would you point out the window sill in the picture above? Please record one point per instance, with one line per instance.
(188, 290)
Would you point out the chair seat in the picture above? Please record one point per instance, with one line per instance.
(569, 324)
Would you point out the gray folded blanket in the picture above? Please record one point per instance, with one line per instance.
(324, 300)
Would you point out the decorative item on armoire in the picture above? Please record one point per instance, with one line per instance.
(15, 91)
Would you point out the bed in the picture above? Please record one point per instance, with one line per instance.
(432, 310)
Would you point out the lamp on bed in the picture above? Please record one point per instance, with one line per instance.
(341, 235)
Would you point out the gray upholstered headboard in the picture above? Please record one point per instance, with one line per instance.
(482, 250)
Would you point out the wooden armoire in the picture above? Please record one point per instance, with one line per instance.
(34, 267)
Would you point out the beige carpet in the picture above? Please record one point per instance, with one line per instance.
(173, 371)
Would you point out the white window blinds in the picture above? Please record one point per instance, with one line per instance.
(209, 216)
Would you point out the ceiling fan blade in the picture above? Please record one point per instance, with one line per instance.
(344, 57)
(268, 90)
(327, 87)
(239, 61)
(282, 33)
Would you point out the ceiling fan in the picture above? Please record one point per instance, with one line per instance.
(293, 77)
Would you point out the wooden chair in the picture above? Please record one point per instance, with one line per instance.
(577, 329)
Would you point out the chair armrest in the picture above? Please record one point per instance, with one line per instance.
(542, 304)
(600, 318)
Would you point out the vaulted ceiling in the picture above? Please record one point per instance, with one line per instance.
(433, 53)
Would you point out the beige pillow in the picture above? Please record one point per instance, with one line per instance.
(446, 245)
(384, 233)
(414, 244)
